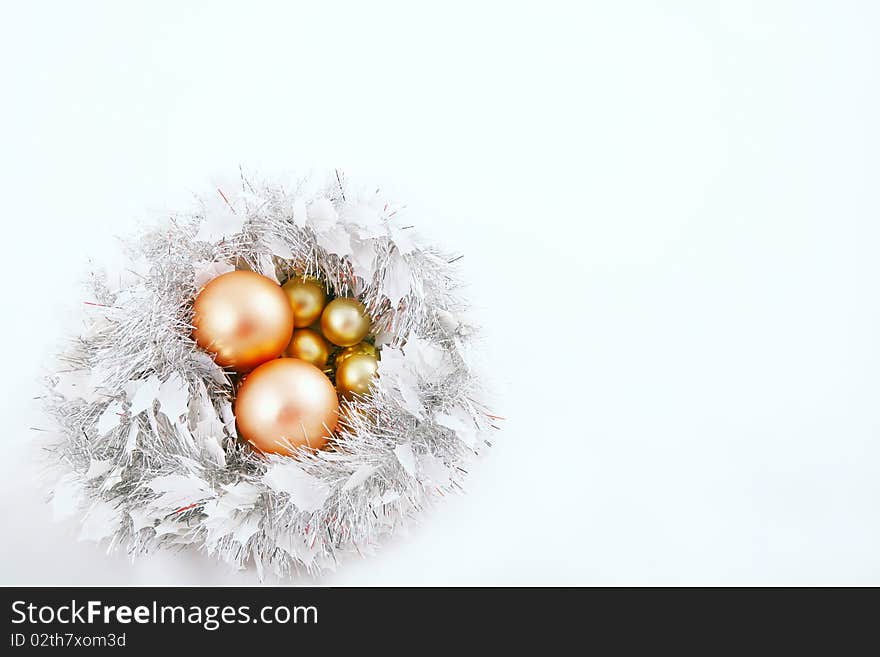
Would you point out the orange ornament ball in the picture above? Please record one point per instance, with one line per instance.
(244, 318)
(286, 404)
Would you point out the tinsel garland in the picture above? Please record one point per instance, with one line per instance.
(145, 437)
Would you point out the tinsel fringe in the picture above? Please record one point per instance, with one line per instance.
(146, 442)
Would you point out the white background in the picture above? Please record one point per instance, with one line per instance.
(669, 218)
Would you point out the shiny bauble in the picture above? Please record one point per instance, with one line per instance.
(345, 322)
(307, 299)
(243, 318)
(308, 345)
(354, 375)
(359, 348)
(286, 404)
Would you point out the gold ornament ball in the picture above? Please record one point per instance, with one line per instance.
(285, 404)
(244, 318)
(308, 345)
(307, 299)
(353, 376)
(359, 348)
(345, 322)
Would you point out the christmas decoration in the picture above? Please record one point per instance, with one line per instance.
(355, 374)
(284, 404)
(310, 346)
(344, 322)
(244, 318)
(307, 299)
(359, 348)
(172, 422)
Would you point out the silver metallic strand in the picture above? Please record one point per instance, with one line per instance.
(144, 440)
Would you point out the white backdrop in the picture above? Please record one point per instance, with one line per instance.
(669, 216)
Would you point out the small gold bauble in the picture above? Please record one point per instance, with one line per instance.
(359, 348)
(345, 322)
(353, 376)
(308, 345)
(307, 299)
(243, 318)
(285, 404)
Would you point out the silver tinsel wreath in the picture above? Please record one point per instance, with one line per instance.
(145, 435)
